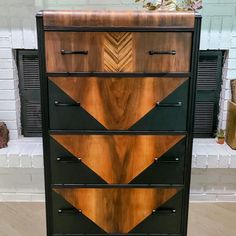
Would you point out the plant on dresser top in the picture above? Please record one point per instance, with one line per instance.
(184, 5)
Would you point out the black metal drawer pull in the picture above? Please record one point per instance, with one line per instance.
(69, 160)
(67, 52)
(164, 211)
(172, 52)
(177, 104)
(175, 161)
(69, 211)
(61, 104)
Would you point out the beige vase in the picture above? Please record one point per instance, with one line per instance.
(233, 90)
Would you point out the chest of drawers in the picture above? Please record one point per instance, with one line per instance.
(117, 91)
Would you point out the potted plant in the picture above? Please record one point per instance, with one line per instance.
(220, 135)
(184, 5)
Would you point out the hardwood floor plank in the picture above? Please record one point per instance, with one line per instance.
(22, 219)
(212, 219)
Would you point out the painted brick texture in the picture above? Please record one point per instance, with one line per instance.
(18, 30)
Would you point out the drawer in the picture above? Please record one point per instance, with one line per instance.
(117, 159)
(118, 51)
(131, 211)
(103, 103)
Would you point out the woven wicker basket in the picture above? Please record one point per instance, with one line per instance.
(233, 90)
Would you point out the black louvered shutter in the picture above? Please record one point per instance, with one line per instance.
(208, 93)
(29, 85)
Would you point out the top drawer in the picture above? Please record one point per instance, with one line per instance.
(152, 52)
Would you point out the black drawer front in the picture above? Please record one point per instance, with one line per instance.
(168, 169)
(169, 115)
(68, 220)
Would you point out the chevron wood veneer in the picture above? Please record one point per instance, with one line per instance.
(118, 158)
(112, 101)
(117, 210)
(118, 51)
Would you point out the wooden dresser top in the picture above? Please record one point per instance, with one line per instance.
(118, 19)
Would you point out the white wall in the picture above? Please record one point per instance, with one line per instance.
(17, 30)
(219, 32)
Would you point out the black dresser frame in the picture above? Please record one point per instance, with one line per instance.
(190, 118)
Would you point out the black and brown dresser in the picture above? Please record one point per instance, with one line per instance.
(117, 91)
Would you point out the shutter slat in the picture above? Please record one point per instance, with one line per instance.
(207, 74)
(29, 90)
(31, 72)
(204, 117)
(209, 77)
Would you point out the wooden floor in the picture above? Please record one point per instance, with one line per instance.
(27, 219)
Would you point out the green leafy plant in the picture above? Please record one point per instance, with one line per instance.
(220, 133)
(184, 5)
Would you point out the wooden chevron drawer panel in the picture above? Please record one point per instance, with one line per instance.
(117, 159)
(118, 103)
(117, 210)
(118, 51)
(167, 169)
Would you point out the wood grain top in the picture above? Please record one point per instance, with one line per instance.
(75, 18)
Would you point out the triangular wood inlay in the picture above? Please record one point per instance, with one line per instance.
(118, 158)
(117, 210)
(112, 101)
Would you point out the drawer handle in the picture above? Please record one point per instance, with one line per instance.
(67, 52)
(175, 161)
(68, 160)
(164, 211)
(177, 104)
(61, 104)
(172, 52)
(69, 211)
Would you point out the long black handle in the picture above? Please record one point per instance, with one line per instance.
(69, 211)
(175, 161)
(172, 52)
(68, 52)
(68, 160)
(176, 104)
(164, 211)
(75, 211)
(61, 104)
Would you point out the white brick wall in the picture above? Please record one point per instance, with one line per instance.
(17, 30)
(218, 32)
(18, 184)
(213, 185)
(21, 170)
